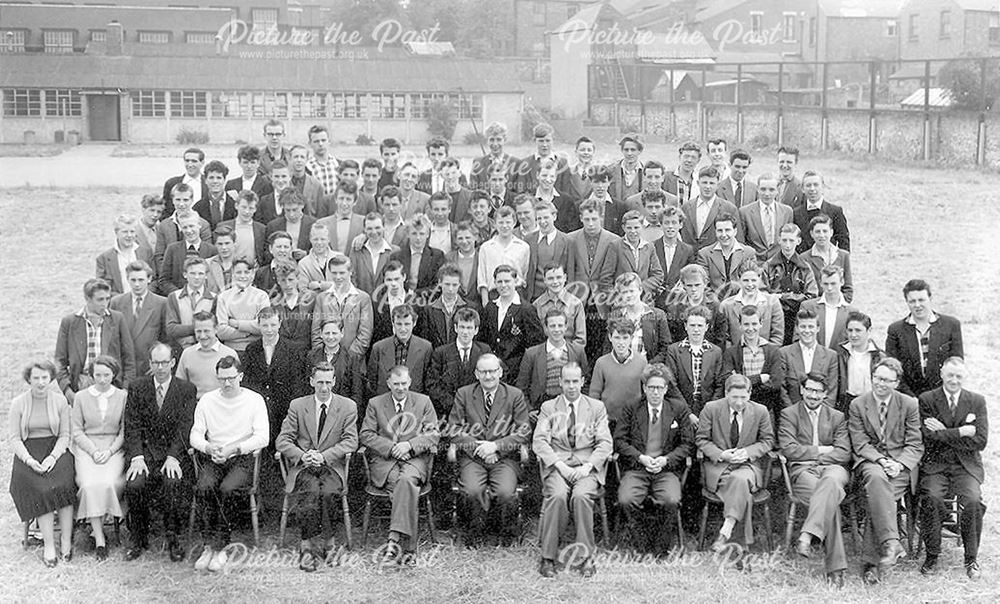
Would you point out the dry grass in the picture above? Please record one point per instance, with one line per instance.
(906, 222)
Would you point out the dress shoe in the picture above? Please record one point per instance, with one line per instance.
(408, 559)
(804, 548)
(176, 551)
(50, 562)
(307, 560)
(67, 557)
(719, 544)
(547, 568)
(893, 552)
(219, 561)
(392, 552)
(929, 567)
(101, 553)
(588, 568)
(836, 578)
(972, 570)
(204, 559)
(134, 552)
(870, 574)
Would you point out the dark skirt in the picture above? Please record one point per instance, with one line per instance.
(36, 494)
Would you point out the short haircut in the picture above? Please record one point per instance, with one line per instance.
(813, 376)
(631, 215)
(496, 129)
(631, 138)
(297, 147)
(389, 143)
(600, 174)
(194, 261)
(271, 123)
(399, 371)
(542, 130)
(201, 154)
(656, 370)
(402, 311)
(768, 176)
(43, 364)
(248, 196)
(700, 311)
(789, 150)
(505, 212)
(284, 268)
(149, 201)
(626, 279)
(337, 320)
(124, 220)
(268, 312)
(813, 174)
(832, 269)
(545, 205)
(247, 262)
(371, 162)
(388, 191)
(725, 216)
(740, 154)
(92, 286)
(437, 142)
(325, 367)
(553, 312)
(229, 362)
(751, 266)
(590, 206)
(279, 164)
(670, 212)
(689, 146)
(248, 153)
(805, 314)
(449, 162)
(552, 266)
(419, 221)
(691, 270)
(204, 315)
(138, 266)
(348, 164)
(279, 235)
(583, 139)
(108, 361)
(654, 165)
(291, 197)
(224, 230)
(466, 315)
(708, 172)
(737, 381)
(890, 363)
(792, 228)
(449, 269)
(351, 188)
(820, 219)
(748, 310)
(505, 268)
(370, 216)
(212, 166)
(953, 360)
(858, 317)
(392, 266)
(522, 198)
(621, 325)
(316, 129)
(916, 285)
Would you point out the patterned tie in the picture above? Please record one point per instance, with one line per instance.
(159, 396)
(739, 194)
(952, 403)
(571, 429)
(656, 417)
(489, 404)
(883, 415)
(734, 430)
(138, 306)
(768, 226)
(322, 419)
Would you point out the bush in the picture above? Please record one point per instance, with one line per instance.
(965, 80)
(442, 119)
(533, 116)
(365, 140)
(759, 141)
(474, 138)
(192, 137)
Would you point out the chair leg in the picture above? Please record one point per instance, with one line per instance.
(430, 519)
(768, 537)
(254, 521)
(789, 525)
(348, 527)
(606, 536)
(703, 527)
(192, 518)
(365, 521)
(27, 533)
(855, 530)
(680, 528)
(283, 524)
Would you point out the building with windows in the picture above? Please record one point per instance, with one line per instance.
(936, 29)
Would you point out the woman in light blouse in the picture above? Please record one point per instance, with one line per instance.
(41, 480)
(98, 436)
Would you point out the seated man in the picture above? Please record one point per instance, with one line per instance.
(814, 439)
(197, 364)
(401, 348)
(158, 419)
(316, 435)
(230, 425)
(885, 436)
(453, 365)
(542, 364)
(111, 264)
(734, 433)
(488, 424)
(653, 439)
(955, 430)
(573, 443)
(274, 367)
(400, 455)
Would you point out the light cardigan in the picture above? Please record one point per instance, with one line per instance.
(87, 423)
(17, 421)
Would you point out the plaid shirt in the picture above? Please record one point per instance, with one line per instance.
(326, 173)
(696, 357)
(753, 360)
(93, 333)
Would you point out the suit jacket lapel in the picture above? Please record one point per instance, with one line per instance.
(710, 220)
(311, 421)
(756, 223)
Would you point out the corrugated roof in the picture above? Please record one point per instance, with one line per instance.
(240, 73)
(939, 97)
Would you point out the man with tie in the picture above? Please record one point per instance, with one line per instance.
(453, 364)
(541, 366)
(110, 264)
(401, 348)
(437, 324)
(400, 455)
(653, 439)
(592, 262)
(680, 182)
(790, 277)
(145, 313)
(726, 259)
(813, 204)
(807, 356)
(789, 186)
(168, 230)
(317, 434)
(157, 421)
(194, 161)
(955, 430)
(636, 255)
(496, 160)
(215, 206)
(699, 227)
(885, 436)
(510, 325)
(831, 308)
(186, 302)
(343, 223)
(735, 187)
(171, 272)
(573, 443)
(813, 438)
(761, 221)
(734, 434)
(547, 245)
(488, 423)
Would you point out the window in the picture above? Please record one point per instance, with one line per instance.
(812, 31)
(22, 102)
(348, 106)
(12, 41)
(994, 28)
(264, 18)
(63, 103)
(891, 28)
(154, 37)
(265, 104)
(58, 41)
(149, 103)
(199, 37)
(99, 35)
(788, 27)
(469, 106)
(756, 18)
(945, 31)
(187, 103)
(914, 34)
(230, 104)
(307, 104)
(538, 13)
(387, 106)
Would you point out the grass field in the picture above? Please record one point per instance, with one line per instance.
(905, 222)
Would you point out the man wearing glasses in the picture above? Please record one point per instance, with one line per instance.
(274, 135)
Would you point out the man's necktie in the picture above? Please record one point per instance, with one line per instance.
(571, 429)
(815, 423)
(734, 431)
(739, 193)
(768, 226)
(656, 417)
(489, 405)
(465, 355)
(138, 306)
(159, 396)
(952, 403)
(322, 419)
(883, 415)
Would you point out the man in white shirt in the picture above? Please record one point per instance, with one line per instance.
(857, 357)
(502, 249)
(831, 308)
(344, 225)
(807, 356)
(111, 264)
(442, 228)
(312, 266)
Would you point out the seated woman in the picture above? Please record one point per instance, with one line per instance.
(692, 290)
(41, 480)
(98, 437)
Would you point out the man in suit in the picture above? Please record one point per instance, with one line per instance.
(814, 439)
(308, 186)
(627, 173)
(273, 149)
(437, 324)
(112, 262)
(388, 295)
(253, 178)
(923, 340)
(573, 444)
(885, 436)
(695, 363)
(547, 245)
(557, 297)
(194, 161)
(454, 187)
(215, 207)
(269, 206)
(411, 199)
(432, 180)
(790, 277)
(807, 356)
(574, 181)
(488, 423)
(653, 439)
(251, 235)
(726, 259)
(671, 251)
(351, 305)
(700, 213)
(171, 273)
(274, 367)
(453, 364)
(186, 302)
(636, 255)
(316, 435)
(420, 261)
(611, 209)
(344, 224)
(593, 262)
(734, 433)
(735, 187)
(168, 230)
(542, 364)
(831, 308)
(496, 160)
(144, 312)
(466, 257)
(772, 322)
(401, 348)
(400, 455)
(789, 186)
(955, 430)
(510, 325)
(813, 205)
(157, 419)
(761, 220)
(149, 219)
(370, 261)
(526, 176)
(293, 221)
(757, 359)
(87, 333)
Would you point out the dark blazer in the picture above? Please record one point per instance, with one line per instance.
(383, 358)
(430, 261)
(433, 325)
(479, 176)
(171, 273)
(526, 177)
(267, 208)
(749, 192)
(447, 374)
(259, 239)
(793, 195)
(560, 254)
(349, 371)
(648, 267)
(280, 382)
(841, 234)
(656, 337)
(943, 448)
(534, 363)
(460, 202)
(168, 232)
(843, 351)
(296, 323)
(107, 267)
(261, 186)
(839, 325)
(470, 290)
(713, 378)
(168, 197)
(521, 330)
(768, 394)
(795, 438)
(71, 348)
(945, 340)
(425, 181)
(156, 433)
(677, 434)
(706, 238)
(281, 224)
(824, 362)
(146, 329)
(205, 209)
(683, 256)
(617, 189)
(507, 425)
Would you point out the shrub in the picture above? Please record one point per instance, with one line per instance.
(442, 119)
(191, 137)
(474, 138)
(365, 140)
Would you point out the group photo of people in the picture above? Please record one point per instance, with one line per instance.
(656, 355)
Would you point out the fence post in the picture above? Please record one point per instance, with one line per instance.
(781, 116)
(672, 117)
(927, 110)
(981, 131)
(702, 110)
(739, 103)
(872, 121)
(824, 118)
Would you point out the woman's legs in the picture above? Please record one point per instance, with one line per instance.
(45, 524)
(65, 529)
(97, 524)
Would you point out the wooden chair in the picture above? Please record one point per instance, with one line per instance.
(373, 494)
(847, 507)
(761, 499)
(255, 483)
(949, 524)
(677, 512)
(452, 456)
(600, 506)
(283, 466)
(906, 517)
(26, 543)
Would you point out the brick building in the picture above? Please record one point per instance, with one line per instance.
(934, 29)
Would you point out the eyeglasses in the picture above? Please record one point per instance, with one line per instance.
(652, 387)
(232, 378)
(878, 378)
(275, 133)
(161, 363)
(488, 371)
(815, 390)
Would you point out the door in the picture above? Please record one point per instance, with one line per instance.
(104, 117)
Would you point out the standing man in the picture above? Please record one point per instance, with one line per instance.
(344, 224)
(557, 297)
(144, 312)
(347, 303)
(194, 161)
(547, 245)
(789, 186)
(592, 260)
(111, 264)
(700, 213)
(761, 221)
(306, 184)
(402, 348)
(453, 365)
(510, 325)
(273, 150)
(171, 272)
(437, 324)
(254, 177)
(813, 204)
(681, 182)
(573, 443)
(274, 368)
(389, 149)
(496, 160)
(636, 255)
(526, 178)
(790, 277)
(652, 181)
(503, 249)
(322, 165)
(188, 301)
(420, 261)
(735, 187)
(923, 340)
(955, 430)
(831, 308)
(627, 173)
(807, 356)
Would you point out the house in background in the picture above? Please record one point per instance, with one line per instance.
(940, 29)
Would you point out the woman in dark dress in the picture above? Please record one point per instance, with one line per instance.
(42, 480)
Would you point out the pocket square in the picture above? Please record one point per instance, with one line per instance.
(970, 418)
(673, 425)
